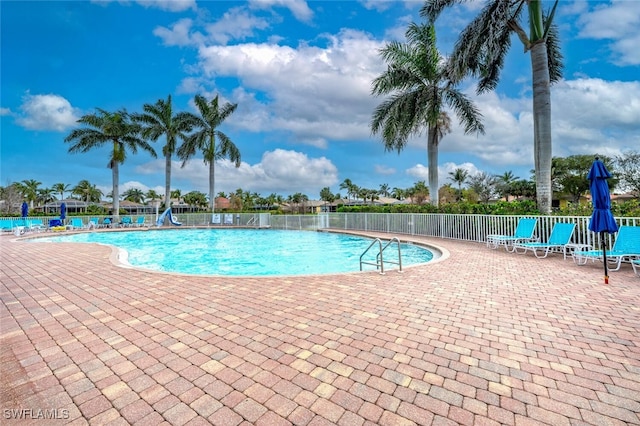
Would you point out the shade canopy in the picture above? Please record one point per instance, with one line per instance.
(63, 211)
(602, 219)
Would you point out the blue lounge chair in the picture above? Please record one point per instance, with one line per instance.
(126, 222)
(626, 246)
(523, 233)
(140, 221)
(107, 223)
(76, 223)
(558, 240)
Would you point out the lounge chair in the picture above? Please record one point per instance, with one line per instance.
(126, 222)
(140, 221)
(558, 240)
(635, 264)
(626, 246)
(107, 222)
(94, 222)
(76, 223)
(523, 233)
(35, 225)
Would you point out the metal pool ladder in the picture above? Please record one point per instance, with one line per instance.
(379, 264)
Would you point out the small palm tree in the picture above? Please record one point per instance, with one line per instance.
(87, 191)
(60, 188)
(212, 115)
(504, 183)
(420, 87)
(29, 189)
(135, 195)
(158, 120)
(109, 127)
(459, 176)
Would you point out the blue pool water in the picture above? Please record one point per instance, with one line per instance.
(246, 252)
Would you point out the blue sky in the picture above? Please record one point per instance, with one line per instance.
(300, 72)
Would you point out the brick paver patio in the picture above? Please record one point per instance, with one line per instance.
(482, 337)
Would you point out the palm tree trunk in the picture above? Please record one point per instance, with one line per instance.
(115, 174)
(212, 180)
(167, 181)
(432, 161)
(542, 126)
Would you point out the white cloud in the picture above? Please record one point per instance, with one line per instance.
(617, 21)
(384, 170)
(47, 112)
(278, 171)
(5, 111)
(179, 34)
(315, 93)
(236, 24)
(299, 8)
(169, 5)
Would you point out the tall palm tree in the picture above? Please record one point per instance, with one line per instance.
(417, 80)
(158, 120)
(60, 188)
(212, 115)
(481, 49)
(109, 127)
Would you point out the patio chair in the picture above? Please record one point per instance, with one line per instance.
(140, 221)
(523, 233)
(35, 225)
(76, 223)
(107, 223)
(558, 240)
(626, 246)
(635, 264)
(126, 222)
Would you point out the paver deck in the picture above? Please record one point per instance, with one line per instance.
(482, 337)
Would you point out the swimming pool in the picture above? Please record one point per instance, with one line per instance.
(245, 252)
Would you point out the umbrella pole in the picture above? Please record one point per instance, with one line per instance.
(604, 255)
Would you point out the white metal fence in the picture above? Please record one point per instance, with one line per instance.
(455, 226)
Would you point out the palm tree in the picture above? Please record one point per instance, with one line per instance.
(87, 191)
(29, 189)
(157, 120)
(481, 50)
(45, 195)
(350, 187)
(384, 190)
(504, 183)
(417, 80)
(152, 195)
(135, 195)
(60, 188)
(211, 117)
(110, 127)
(459, 176)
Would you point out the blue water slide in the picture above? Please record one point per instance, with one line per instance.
(167, 214)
